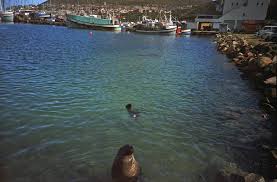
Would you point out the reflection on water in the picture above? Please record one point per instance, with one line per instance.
(63, 95)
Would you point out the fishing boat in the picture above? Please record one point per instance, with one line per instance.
(6, 16)
(184, 28)
(94, 22)
(165, 25)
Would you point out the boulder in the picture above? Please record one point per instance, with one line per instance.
(235, 43)
(245, 49)
(270, 92)
(231, 173)
(231, 53)
(224, 49)
(269, 55)
(274, 65)
(254, 178)
(250, 55)
(263, 62)
(271, 81)
(262, 48)
(274, 154)
(252, 65)
(239, 177)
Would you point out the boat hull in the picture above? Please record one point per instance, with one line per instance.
(165, 31)
(186, 32)
(73, 22)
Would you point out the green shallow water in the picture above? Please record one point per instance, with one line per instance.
(63, 95)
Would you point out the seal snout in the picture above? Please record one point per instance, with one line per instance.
(126, 150)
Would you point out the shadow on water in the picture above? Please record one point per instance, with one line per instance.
(57, 173)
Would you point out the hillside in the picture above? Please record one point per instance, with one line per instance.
(134, 2)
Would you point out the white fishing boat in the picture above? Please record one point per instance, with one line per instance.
(165, 25)
(6, 15)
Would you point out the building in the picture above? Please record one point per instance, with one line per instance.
(237, 13)
(207, 22)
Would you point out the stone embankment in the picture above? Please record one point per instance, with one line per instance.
(257, 62)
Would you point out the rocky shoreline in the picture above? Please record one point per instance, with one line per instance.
(258, 63)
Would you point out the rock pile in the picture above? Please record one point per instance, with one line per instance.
(258, 62)
(233, 174)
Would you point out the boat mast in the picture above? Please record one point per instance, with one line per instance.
(3, 5)
(0, 5)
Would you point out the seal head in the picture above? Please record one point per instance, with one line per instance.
(125, 167)
(132, 113)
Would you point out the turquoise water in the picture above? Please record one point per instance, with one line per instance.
(63, 94)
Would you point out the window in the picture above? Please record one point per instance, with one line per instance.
(262, 4)
(243, 14)
(237, 3)
(257, 4)
(232, 4)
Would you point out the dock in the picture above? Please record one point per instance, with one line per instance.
(199, 32)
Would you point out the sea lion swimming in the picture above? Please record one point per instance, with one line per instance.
(132, 113)
(125, 167)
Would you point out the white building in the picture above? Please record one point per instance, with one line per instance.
(207, 22)
(235, 12)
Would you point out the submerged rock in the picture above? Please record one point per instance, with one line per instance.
(234, 174)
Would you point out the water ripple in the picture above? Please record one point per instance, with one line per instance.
(62, 104)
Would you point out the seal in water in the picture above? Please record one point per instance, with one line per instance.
(125, 167)
(132, 113)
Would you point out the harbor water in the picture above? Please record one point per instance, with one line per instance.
(62, 105)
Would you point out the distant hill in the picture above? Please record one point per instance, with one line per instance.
(132, 2)
(185, 13)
